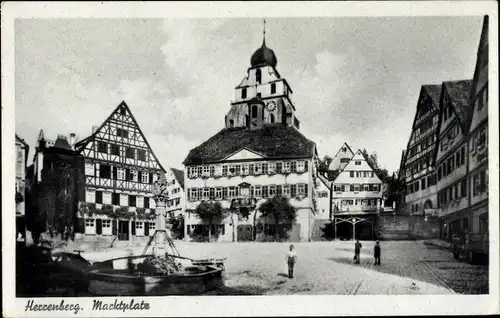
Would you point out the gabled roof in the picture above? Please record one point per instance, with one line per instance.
(459, 93)
(434, 92)
(179, 176)
(274, 141)
(344, 144)
(79, 146)
(21, 140)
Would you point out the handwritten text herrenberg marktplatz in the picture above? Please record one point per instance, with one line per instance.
(30, 306)
(99, 305)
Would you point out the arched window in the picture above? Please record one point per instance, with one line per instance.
(271, 118)
(231, 123)
(254, 111)
(258, 76)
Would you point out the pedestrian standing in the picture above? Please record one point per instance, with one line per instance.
(291, 258)
(376, 253)
(357, 250)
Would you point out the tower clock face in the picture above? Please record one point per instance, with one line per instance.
(271, 106)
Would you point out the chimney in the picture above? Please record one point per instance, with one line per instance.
(94, 128)
(72, 138)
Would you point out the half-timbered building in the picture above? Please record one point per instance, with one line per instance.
(259, 154)
(120, 168)
(478, 139)
(357, 199)
(339, 161)
(418, 163)
(175, 188)
(452, 158)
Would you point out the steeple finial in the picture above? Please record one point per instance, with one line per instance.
(264, 33)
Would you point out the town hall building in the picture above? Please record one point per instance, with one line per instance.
(260, 153)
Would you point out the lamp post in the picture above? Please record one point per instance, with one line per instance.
(160, 196)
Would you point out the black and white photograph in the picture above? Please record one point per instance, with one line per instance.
(164, 151)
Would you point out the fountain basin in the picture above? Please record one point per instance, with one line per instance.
(114, 278)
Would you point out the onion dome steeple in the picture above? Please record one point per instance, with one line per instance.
(264, 55)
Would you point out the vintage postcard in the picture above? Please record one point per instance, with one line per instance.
(250, 158)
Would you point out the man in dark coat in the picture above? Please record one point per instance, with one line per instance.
(357, 250)
(376, 253)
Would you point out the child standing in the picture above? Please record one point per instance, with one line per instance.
(291, 258)
(376, 253)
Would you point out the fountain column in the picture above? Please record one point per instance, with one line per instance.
(160, 196)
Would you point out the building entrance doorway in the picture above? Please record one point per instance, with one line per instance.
(123, 233)
(354, 227)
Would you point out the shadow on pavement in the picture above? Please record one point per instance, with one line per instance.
(282, 275)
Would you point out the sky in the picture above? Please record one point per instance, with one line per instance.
(355, 79)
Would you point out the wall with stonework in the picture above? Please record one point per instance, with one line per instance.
(406, 228)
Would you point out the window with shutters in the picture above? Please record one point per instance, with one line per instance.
(245, 170)
(286, 167)
(272, 190)
(356, 188)
(271, 167)
(140, 201)
(265, 168)
(212, 193)
(146, 202)
(301, 189)
(351, 174)
(286, 190)
(237, 170)
(206, 193)
(258, 191)
(257, 168)
(279, 190)
(232, 192)
(265, 192)
(218, 193)
(279, 167)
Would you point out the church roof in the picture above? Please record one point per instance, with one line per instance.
(273, 141)
(263, 56)
(179, 175)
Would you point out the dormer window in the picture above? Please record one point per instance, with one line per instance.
(273, 88)
(244, 93)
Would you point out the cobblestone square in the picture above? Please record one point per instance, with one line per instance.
(408, 267)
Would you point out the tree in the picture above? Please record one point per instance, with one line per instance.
(281, 211)
(209, 212)
(324, 164)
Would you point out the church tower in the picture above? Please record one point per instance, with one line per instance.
(263, 97)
